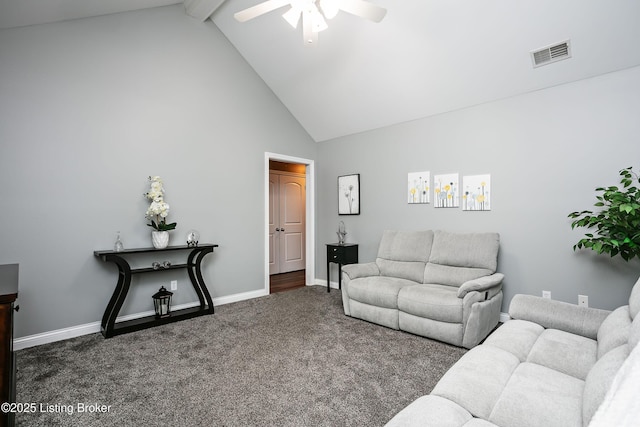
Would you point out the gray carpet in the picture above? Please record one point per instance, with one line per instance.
(287, 359)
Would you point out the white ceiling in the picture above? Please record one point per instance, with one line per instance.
(426, 56)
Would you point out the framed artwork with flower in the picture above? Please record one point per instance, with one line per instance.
(418, 189)
(477, 192)
(349, 194)
(446, 193)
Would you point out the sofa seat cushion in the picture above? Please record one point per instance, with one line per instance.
(539, 396)
(428, 410)
(516, 336)
(436, 302)
(435, 411)
(564, 352)
(476, 381)
(568, 353)
(380, 291)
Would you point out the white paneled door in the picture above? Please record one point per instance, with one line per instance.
(286, 222)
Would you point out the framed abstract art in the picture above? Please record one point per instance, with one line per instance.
(349, 194)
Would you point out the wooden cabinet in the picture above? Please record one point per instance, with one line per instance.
(8, 296)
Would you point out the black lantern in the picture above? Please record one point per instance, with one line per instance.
(162, 302)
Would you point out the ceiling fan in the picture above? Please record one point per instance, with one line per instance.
(313, 13)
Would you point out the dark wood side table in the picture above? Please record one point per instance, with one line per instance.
(8, 295)
(110, 328)
(342, 255)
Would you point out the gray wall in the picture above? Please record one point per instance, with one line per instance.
(546, 152)
(88, 109)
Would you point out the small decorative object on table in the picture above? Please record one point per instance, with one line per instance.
(118, 246)
(157, 266)
(157, 213)
(162, 302)
(342, 233)
(192, 238)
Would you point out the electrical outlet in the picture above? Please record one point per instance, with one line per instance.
(174, 285)
(546, 294)
(583, 300)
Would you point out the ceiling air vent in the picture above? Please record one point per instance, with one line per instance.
(550, 54)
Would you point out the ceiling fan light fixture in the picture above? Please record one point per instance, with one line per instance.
(330, 8)
(309, 36)
(313, 13)
(292, 16)
(317, 21)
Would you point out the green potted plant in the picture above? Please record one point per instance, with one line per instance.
(617, 224)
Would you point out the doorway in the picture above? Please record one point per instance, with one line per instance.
(287, 194)
(289, 222)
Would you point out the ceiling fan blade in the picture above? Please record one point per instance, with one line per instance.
(292, 16)
(363, 9)
(260, 9)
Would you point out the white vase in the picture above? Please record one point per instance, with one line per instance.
(160, 239)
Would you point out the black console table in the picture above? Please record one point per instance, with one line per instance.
(110, 328)
(346, 253)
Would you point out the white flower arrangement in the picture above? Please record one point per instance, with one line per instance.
(158, 209)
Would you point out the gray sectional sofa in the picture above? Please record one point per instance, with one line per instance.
(435, 284)
(553, 364)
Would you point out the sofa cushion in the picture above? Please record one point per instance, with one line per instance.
(429, 410)
(450, 275)
(477, 379)
(599, 380)
(458, 257)
(538, 396)
(474, 250)
(432, 302)
(516, 337)
(614, 331)
(564, 352)
(404, 254)
(413, 271)
(380, 291)
(553, 314)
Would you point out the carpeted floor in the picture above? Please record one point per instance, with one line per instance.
(287, 359)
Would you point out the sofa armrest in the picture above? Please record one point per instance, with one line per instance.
(480, 284)
(553, 314)
(353, 271)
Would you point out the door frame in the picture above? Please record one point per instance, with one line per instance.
(310, 226)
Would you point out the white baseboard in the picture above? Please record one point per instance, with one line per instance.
(321, 282)
(94, 327)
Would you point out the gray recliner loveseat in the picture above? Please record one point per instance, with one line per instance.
(553, 364)
(436, 284)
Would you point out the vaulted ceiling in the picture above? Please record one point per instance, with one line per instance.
(426, 57)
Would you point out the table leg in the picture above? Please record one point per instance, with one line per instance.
(118, 297)
(328, 277)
